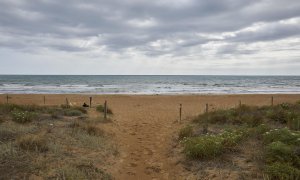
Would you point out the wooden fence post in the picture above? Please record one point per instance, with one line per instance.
(44, 100)
(7, 98)
(105, 109)
(67, 103)
(180, 112)
(91, 101)
(272, 101)
(205, 125)
(240, 103)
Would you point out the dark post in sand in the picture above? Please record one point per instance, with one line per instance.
(7, 98)
(91, 101)
(205, 125)
(272, 101)
(240, 103)
(44, 100)
(105, 109)
(180, 112)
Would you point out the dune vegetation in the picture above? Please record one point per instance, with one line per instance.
(52, 142)
(255, 142)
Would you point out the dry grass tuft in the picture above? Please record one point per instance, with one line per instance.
(32, 142)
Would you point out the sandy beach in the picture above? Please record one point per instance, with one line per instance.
(144, 126)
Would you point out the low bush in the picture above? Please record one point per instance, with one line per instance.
(277, 115)
(186, 132)
(33, 143)
(281, 171)
(261, 129)
(294, 120)
(279, 151)
(23, 116)
(72, 112)
(210, 146)
(251, 116)
(8, 108)
(284, 135)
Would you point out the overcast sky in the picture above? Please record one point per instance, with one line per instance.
(252, 37)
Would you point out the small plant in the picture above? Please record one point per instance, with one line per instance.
(32, 143)
(294, 120)
(261, 129)
(186, 132)
(100, 108)
(23, 116)
(282, 171)
(93, 130)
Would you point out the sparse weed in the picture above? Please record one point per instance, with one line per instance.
(33, 143)
(186, 132)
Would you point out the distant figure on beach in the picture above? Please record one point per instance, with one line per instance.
(85, 105)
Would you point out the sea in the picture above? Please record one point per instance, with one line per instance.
(148, 84)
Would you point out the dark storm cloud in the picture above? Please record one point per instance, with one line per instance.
(152, 27)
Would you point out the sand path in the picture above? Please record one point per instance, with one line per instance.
(145, 136)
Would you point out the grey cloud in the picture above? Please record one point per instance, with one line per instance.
(31, 24)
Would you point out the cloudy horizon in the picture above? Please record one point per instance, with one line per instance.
(188, 37)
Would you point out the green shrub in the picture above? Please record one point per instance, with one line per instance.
(203, 147)
(294, 120)
(219, 116)
(282, 171)
(261, 129)
(8, 108)
(32, 143)
(210, 146)
(186, 132)
(284, 135)
(100, 108)
(251, 116)
(23, 116)
(278, 151)
(277, 115)
(72, 112)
